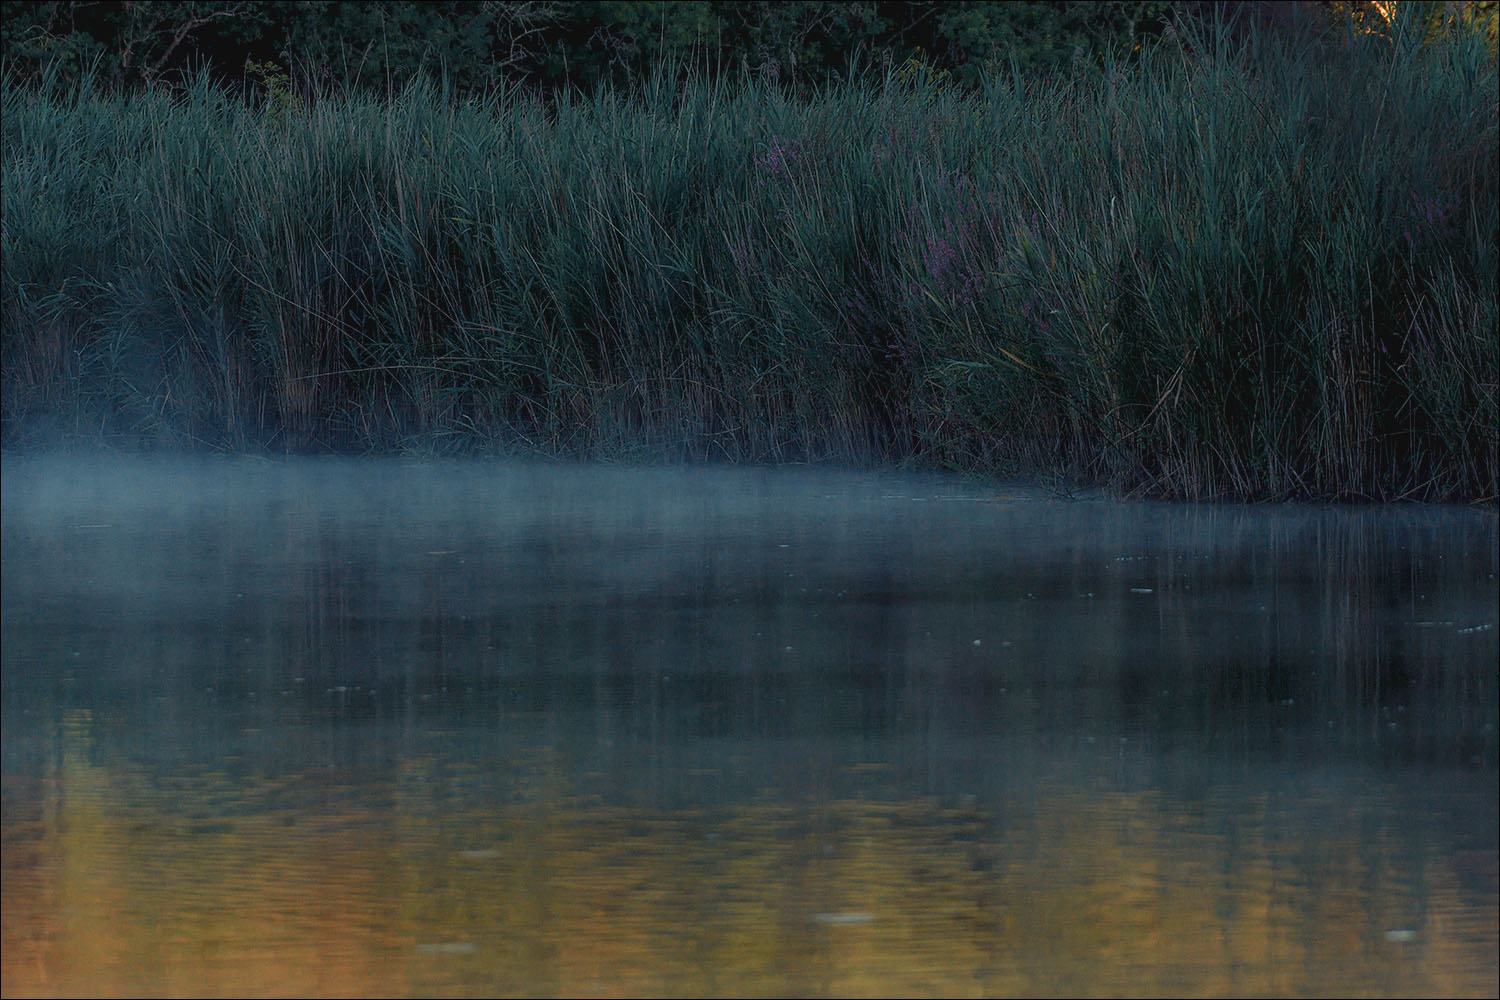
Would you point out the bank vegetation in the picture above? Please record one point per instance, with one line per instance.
(1225, 267)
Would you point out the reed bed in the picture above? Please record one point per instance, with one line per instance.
(1226, 269)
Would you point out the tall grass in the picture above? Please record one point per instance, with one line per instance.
(1227, 270)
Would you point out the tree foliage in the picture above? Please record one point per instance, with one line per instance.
(479, 44)
(475, 44)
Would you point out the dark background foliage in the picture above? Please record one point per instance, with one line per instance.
(476, 44)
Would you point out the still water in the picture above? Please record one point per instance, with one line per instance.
(338, 727)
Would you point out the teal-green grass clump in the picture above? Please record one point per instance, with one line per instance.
(1228, 269)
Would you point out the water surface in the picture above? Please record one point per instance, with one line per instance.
(337, 727)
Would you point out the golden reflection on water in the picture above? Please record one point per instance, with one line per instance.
(119, 884)
(359, 729)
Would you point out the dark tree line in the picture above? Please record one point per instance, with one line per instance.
(475, 44)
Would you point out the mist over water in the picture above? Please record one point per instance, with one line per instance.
(369, 727)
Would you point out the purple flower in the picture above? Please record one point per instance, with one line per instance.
(780, 157)
(1427, 215)
(1033, 310)
(938, 257)
(742, 251)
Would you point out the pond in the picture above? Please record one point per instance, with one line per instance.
(386, 727)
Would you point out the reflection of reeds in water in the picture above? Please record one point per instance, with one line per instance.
(575, 731)
(1327, 627)
(1228, 619)
(1205, 275)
